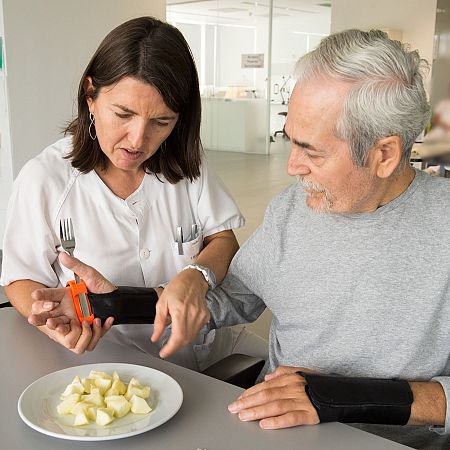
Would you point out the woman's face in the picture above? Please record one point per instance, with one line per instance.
(131, 122)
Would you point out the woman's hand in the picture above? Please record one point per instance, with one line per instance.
(184, 299)
(54, 309)
(279, 402)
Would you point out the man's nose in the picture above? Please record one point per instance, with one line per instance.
(297, 163)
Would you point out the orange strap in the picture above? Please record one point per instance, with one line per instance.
(76, 289)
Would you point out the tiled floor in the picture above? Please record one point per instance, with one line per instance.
(253, 180)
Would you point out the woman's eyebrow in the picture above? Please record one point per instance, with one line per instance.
(124, 108)
(130, 111)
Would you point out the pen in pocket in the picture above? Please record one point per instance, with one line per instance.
(180, 240)
(194, 231)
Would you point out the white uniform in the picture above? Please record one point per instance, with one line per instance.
(131, 242)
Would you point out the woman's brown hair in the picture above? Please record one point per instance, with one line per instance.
(156, 53)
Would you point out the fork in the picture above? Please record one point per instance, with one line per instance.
(67, 237)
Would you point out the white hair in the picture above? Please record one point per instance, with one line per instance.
(387, 97)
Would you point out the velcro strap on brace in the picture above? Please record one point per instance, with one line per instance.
(359, 400)
(126, 304)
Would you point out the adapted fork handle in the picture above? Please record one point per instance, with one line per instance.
(75, 290)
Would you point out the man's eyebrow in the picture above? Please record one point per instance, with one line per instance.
(300, 143)
(130, 111)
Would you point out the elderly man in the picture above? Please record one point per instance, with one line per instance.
(351, 259)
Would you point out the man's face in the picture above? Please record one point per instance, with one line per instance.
(319, 159)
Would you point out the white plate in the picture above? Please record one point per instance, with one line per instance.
(37, 404)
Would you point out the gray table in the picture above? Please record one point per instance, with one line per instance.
(202, 422)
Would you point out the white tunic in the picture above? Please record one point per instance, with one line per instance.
(131, 242)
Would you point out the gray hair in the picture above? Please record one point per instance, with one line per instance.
(388, 97)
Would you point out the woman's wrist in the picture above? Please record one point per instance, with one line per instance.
(197, 277)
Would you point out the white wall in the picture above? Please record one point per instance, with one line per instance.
(47, 45)
(414, 18)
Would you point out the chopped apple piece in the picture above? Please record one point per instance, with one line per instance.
(120, 386)
(139, 405)
(119, 404)
(111, 391)
(80, 419)
(95, 398)
(99, 374)
(80, 407)
(117, 388)
(92, 413)
(134, 382)
(88, 384)
(103, 384)
(72, 389)
(68, 403)
(104, 416)
(76, 387)
(138, 390)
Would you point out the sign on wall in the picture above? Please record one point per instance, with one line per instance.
(252, 60)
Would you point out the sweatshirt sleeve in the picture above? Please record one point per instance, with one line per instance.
(241, 298)
(232, 302)
(445, 383)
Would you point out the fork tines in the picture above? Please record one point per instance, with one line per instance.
(66, 229)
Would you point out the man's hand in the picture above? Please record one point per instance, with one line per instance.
(54, 309)
(279, 402)
(183, 299)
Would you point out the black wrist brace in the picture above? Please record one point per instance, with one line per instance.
(359, 400)
(126, 304)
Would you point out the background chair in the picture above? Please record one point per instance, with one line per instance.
(239, 370)
(282, 113)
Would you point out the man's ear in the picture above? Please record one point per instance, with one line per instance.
(386, 156)
(88, 88)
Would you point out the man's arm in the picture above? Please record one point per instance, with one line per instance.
(19, 294)
(56, 318)
(231, 303)
(71, 334)
(281, 401)
(429, 405)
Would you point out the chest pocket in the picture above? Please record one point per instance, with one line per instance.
(191, 249)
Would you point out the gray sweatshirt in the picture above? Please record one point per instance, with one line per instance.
(359, 295)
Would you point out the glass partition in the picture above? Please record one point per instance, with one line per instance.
(229, 41)
(245, 53)
(297, 28)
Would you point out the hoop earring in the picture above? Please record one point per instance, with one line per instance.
(93, 137)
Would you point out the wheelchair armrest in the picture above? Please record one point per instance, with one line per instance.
(237, 369)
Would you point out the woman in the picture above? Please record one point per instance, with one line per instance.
(129, 173)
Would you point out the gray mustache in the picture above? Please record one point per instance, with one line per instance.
(306, 184)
